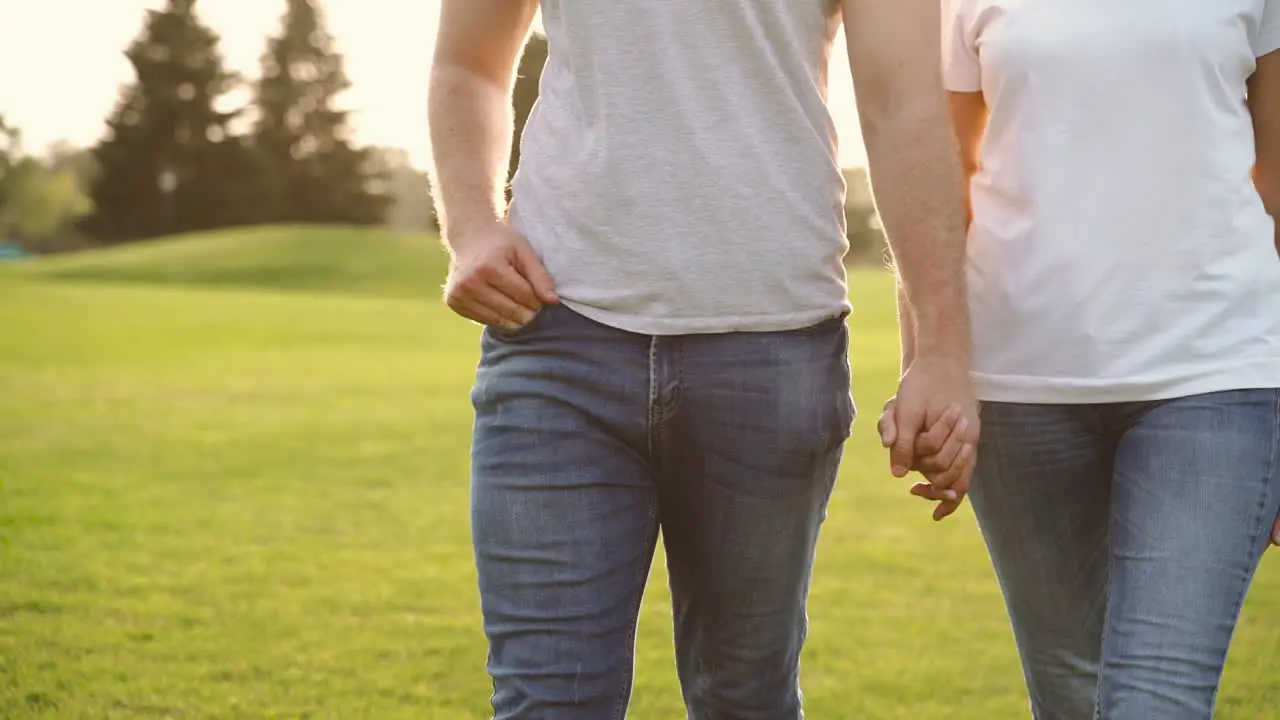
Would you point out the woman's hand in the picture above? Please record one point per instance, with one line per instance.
(943, 454)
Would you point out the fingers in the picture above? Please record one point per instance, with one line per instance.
(946, 509)
(480, 313)
(485, 297)
(929, 492)
(932, 441)
(910, 420)
(949, 500)
(493, 292)
(935, 455)
(508, 281)
(531, 267)
(1275, 532)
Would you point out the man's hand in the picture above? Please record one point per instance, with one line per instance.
(941, 453)
(495, 278)
(895, 58)
(932, 427)
(926, 391)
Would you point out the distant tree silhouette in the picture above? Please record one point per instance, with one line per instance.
(167, 162)
(525, 93)
(316, 174)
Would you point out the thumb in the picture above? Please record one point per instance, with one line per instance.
(531, 267)
(888, 425)
(909, 419)
(888, 429)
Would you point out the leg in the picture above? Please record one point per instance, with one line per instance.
(1041, 495)
(749, 457)
(1197, 487)
(563, 515)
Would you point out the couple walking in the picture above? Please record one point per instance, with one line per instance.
(1080, 197)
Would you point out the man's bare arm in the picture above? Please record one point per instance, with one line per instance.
(968, 122)
(470, 111)
(1264, 103)
(895, 58)
(495, 278)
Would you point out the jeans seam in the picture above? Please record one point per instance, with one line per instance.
(624, 693)
(651, 410)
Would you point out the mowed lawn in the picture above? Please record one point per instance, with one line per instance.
(233, 484)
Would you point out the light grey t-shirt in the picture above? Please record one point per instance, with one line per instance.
(679, 172)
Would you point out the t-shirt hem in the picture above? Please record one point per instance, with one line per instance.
(1263, 374)
(707, 325)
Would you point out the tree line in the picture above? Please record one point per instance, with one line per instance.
(179, 155)
(176, 158)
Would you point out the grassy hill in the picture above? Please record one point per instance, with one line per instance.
(280, 258)
(233, 484)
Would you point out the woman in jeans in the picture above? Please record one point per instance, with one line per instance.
(1123, 163)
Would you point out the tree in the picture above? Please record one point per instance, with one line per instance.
(525, 94)
(167, 163)
(38, 200)
(317, 174)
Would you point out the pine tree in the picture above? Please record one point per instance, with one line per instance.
(168, 163)
(318, 176)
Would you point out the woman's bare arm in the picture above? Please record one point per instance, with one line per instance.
(1264, 103)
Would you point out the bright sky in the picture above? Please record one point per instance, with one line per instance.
(62, 63)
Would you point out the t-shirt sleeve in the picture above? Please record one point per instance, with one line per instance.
(1268, 40)
(960, 69)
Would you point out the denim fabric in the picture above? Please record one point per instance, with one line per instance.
(588, 442)
(1125, 537)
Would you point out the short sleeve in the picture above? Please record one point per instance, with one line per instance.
(1268, 40)
(961, 71)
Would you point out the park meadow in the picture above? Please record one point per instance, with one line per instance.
(233, 484)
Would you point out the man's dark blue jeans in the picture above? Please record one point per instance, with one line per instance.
(588, 442)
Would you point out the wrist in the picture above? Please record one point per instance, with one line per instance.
(942, 330)
(459, 234)
(949, 347)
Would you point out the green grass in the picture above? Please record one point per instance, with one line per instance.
(295, 258)
(222, 500)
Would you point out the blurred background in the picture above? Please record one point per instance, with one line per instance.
(235, 417)
(133, 119)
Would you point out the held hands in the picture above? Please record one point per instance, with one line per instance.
(932, 427)
(495, 278)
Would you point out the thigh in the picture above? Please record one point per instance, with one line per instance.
(563, 515)
(1196, 491)
(749, 461)
(1041, 494)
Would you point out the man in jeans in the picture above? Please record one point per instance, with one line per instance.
(664, 306)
